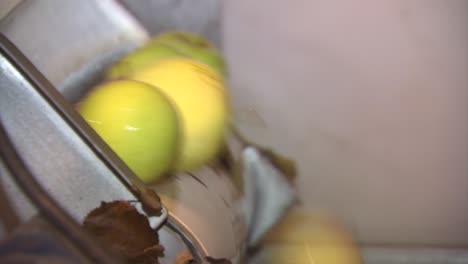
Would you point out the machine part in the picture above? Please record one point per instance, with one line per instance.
(204, 202)
(268, 194)
(46, 206)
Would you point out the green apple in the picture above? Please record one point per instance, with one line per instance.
(201, 100)
(169, 44)
(138, 59)
(195, 47)
(138, 122)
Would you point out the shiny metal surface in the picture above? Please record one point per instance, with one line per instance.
(178, 240)
(205, 204)
(60, 160)
(47, 208)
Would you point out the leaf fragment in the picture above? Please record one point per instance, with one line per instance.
(118, 226)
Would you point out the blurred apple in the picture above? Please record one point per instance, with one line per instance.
(138, 122)
(166, 45)
(308, 238)
(200, 96)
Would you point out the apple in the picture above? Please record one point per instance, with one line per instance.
(201, 99)
(169, 44)
(138, 122)
(195, 47)
(139, 59)
(303, 237)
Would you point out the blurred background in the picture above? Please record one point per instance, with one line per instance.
(369, 97)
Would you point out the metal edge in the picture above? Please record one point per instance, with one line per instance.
(46, 205)
(195, 247)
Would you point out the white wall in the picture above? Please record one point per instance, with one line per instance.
(371, 98)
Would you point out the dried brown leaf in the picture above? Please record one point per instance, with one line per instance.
(126, 232)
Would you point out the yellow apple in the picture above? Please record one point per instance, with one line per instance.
(138, 122)
(303, 237)
(200, 96)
